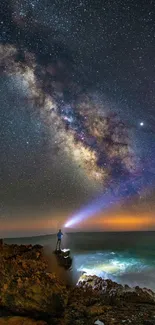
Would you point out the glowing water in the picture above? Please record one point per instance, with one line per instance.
(120, 267)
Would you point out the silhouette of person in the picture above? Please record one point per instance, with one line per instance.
(59, 236)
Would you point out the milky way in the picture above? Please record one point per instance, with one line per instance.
(98, 143)
(57, 65)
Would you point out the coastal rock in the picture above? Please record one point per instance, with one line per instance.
(26, 288)
(20, 321)
(86, 306)
(113, 292)
(30, 289)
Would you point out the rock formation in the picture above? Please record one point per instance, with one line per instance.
(30, 294)
(26, 288)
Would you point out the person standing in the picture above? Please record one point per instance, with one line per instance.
(59, 237)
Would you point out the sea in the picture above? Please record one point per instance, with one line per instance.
(124, 257)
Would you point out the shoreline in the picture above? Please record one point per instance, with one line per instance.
(124, 258)
(28, 289)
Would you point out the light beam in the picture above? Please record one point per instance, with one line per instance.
(126, 190)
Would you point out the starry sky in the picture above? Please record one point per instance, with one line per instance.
(77, 93)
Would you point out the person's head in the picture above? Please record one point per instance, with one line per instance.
(59, 230)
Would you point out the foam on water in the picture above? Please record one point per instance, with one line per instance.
(120, 267)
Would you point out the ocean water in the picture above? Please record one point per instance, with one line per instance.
(127, 258)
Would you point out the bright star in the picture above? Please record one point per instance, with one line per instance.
(141, 123)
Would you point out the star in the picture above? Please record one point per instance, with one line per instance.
(76, 84)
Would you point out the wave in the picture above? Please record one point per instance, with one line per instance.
(120, 267)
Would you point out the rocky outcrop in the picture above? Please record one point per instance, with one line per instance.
(26, 288)
(30, 294)
(111, 303)
(87, 306)
(113, 292)
(63, 258)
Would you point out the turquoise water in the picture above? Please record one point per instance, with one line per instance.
(123, 257)
(122, 267)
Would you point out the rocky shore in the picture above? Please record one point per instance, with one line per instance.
(30, 294)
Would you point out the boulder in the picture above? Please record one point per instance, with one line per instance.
(63, 257)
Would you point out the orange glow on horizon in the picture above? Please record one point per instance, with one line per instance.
(129, 222)
(123, 222)
(117, 222)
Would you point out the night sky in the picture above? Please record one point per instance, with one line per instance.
(77, 94)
